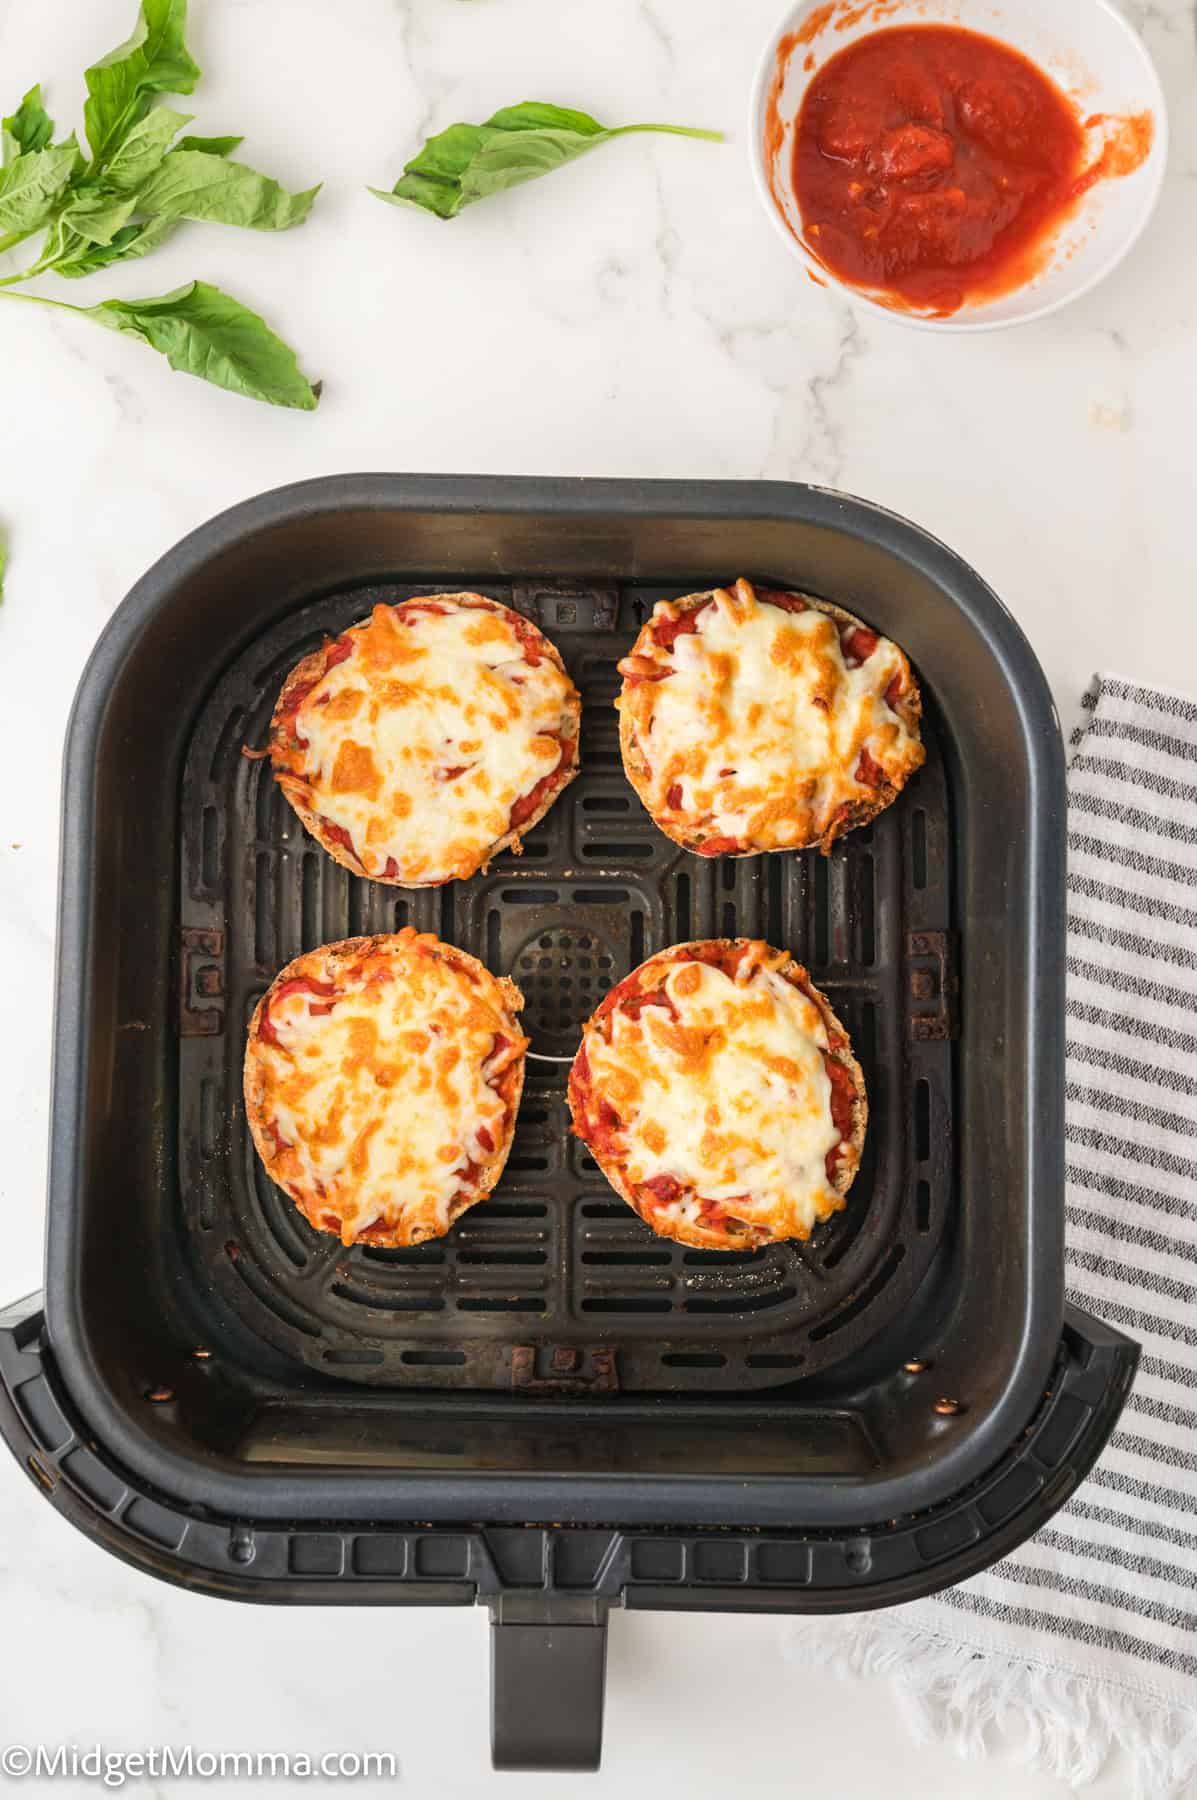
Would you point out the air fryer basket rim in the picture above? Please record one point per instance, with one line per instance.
(266, 1492)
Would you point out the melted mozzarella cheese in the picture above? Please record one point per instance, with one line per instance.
(422, 741)
(731, 1098)
(758, 729)
(385, 1099)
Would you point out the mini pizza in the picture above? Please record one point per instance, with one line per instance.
(754, 720)
(382, 1077)
(718, 1093)
(427, 738)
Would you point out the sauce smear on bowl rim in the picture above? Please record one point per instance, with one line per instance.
(934, 166)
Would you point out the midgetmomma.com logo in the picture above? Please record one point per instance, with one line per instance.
(47, 1762)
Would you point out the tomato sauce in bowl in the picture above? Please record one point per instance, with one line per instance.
(934, 166)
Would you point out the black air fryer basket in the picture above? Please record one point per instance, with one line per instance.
(551, 1410)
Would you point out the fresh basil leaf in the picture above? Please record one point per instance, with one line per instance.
(154, 60)
(30, 187)
(465, 163)
(10, 149)
(31, 125)
(74, 256)
(95, 213)
(211, 146)
(77, 257)
(453, 170)
(141, 151)
(189, 184)
(203, 332)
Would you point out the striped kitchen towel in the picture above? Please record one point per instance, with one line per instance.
(1086, 1637)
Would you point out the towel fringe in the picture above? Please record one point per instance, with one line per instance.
(970, 1699)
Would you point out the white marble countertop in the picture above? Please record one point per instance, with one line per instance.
(635, 315)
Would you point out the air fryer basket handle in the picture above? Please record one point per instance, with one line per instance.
(546, 1694)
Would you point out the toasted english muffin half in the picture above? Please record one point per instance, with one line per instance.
(421, 742)
(755, 720)
(382, 1078)
(719, 1094)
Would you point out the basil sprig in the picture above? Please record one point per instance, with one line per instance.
(141, 182)
(465, 163)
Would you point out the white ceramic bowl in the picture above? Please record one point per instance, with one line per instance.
(1088, 49)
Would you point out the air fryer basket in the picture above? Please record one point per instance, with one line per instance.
(556, 1261)
(235, 1402)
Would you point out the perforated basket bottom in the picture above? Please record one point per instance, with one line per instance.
(554, 1282)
